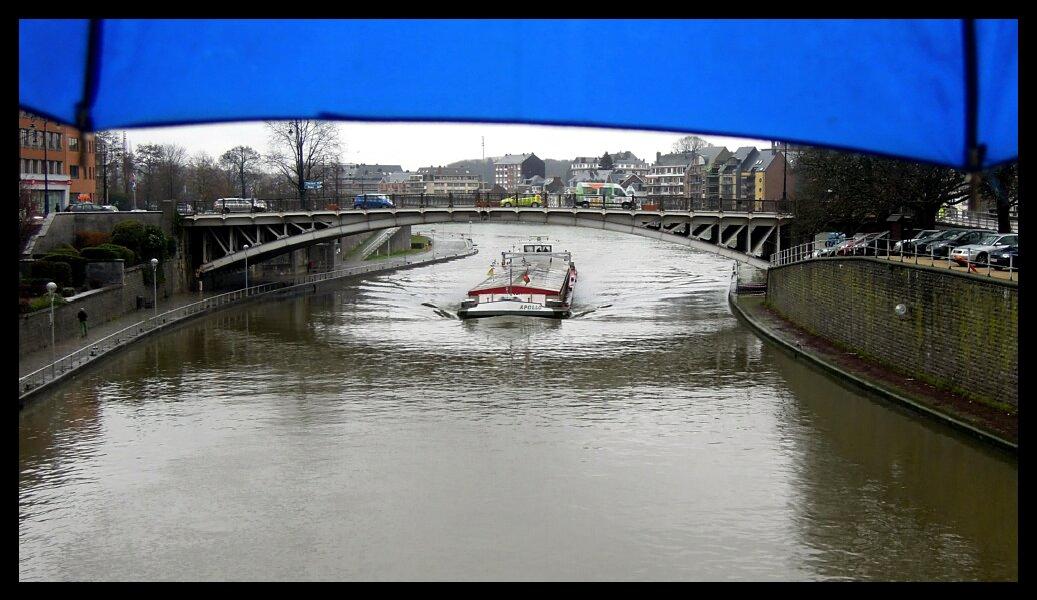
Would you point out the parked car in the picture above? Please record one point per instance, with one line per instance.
(184, 209)
(366, 201)
(84, 207)
(239, 205)
(863, 244)
(922, 246)
(980, 251)
(942, 248)
(110, 207)
(1003, 258)
(908, 246)
(534, 201)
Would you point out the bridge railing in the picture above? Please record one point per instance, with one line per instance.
(483, 200)
(990, 263)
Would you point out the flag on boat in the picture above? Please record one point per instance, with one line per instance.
(490, 272)
(525, 277)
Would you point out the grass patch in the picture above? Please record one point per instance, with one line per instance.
(423, 245)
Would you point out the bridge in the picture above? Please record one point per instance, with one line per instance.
(745, 231)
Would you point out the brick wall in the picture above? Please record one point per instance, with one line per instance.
(101, 306)
(960, 332)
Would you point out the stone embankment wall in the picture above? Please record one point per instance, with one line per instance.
(101, 305)
(64, 226)
(959, 332)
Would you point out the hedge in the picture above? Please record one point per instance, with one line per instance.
(99, 253)
(76, 263)
(124, 253)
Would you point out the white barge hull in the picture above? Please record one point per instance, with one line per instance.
(512, 307)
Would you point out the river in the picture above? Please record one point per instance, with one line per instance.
(360, 434)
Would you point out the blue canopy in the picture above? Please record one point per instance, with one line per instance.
(926, 90)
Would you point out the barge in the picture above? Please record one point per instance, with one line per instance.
(533, 282)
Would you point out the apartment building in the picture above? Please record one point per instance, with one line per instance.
(362, 178)
(666, 176)
(623, 163)
(402, 182)
(702, 179)
(56, 161)
(511, 169)
(772, 177)
(449, 180)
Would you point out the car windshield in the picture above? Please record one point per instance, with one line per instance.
(988, 239)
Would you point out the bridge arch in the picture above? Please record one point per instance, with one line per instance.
(739, 236)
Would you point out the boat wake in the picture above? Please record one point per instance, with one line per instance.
(439, 311)
(587, 312)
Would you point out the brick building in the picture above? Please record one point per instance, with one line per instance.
(511, 169)
(56, 158)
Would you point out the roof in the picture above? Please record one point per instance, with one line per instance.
(764, 160)
(360, 170)
(511, 159)
(546, 273)
(675, 158)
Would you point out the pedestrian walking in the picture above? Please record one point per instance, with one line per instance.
(82, 321)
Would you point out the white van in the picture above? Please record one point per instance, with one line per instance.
(603, 195)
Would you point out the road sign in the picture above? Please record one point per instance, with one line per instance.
(313, 185)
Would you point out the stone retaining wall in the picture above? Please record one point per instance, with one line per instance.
(101, 305)
(960, 332)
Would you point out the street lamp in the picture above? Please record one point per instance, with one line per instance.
(51, 288)
(246, 269)
(154, 283)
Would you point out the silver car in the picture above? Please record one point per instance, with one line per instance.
(979, 252)
(239, 205)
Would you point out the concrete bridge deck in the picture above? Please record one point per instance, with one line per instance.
(219, 239)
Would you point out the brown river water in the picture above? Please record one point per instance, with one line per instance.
(362, 435)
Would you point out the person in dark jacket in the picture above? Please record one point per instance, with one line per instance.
(82, 320)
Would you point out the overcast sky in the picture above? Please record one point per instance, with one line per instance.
(414, 145)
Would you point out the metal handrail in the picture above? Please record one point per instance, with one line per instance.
(888, 249)
(83, 355)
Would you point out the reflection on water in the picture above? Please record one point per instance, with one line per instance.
(362, 434)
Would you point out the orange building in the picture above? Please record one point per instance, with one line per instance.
(56, 158)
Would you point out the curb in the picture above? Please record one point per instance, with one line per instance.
(863, 383)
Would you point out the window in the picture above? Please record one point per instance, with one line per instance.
(73, 171)
(73, 144)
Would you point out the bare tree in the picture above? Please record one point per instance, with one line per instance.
(298, 148)
(241, 160)
(690, 143)
(174, 157)
(205, 179)
(108, 157)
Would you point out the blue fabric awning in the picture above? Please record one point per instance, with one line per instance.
(893, 87)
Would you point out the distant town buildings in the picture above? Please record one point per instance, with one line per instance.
(362, 178)
(56, 159)
(449, 180)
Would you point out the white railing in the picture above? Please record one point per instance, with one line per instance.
(976, 220)
(80, 357)
(992, 264)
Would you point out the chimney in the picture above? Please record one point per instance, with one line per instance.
(658, 155)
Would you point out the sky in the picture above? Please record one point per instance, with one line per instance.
(414, 145)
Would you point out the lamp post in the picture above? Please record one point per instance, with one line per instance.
(51, 288)
(246, 269)
(154, 283)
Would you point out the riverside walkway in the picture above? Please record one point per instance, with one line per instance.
(38, 370)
